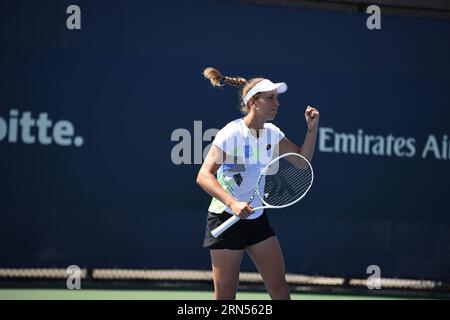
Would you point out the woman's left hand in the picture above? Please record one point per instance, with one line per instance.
(312, 116)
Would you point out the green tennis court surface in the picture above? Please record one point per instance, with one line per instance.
(91, 294)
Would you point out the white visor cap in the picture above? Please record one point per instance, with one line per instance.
(264, 86)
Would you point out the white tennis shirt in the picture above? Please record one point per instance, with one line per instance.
(246, 157)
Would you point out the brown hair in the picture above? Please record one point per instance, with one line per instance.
(214, 75)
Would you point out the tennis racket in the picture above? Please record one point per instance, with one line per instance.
(281, 184)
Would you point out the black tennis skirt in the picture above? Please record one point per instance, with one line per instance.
(242, 234)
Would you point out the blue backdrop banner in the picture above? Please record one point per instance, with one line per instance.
(105, 118)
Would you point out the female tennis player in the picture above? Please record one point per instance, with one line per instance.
(229, 175)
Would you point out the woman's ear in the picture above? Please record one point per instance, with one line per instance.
(251, 102)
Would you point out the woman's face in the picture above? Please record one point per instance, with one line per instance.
(266, 105)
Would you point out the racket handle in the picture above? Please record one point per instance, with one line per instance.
(224, 226)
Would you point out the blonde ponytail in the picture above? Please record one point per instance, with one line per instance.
(215, 77)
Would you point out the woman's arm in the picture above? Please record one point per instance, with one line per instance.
(312, 116)
(207, 180)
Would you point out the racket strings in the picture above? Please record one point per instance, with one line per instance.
(286, 183)
(287, 197)
(278, 193)
(277, 198)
